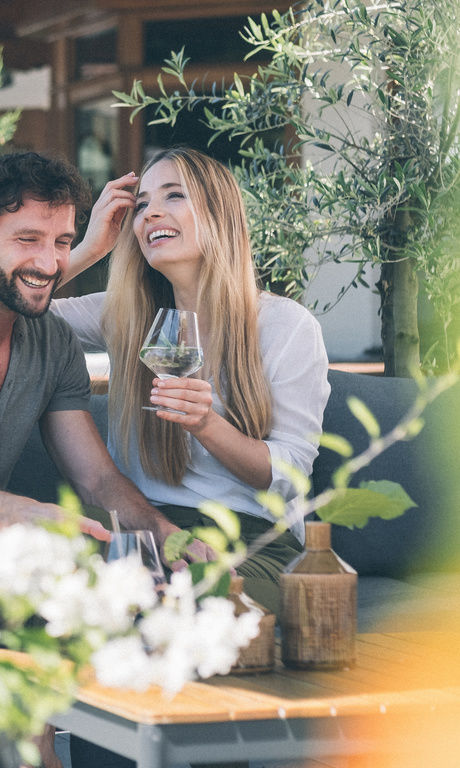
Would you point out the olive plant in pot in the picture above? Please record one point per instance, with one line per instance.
(330, 191)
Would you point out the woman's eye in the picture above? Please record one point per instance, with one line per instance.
(27, 239)
(179, 195)
(139, 206)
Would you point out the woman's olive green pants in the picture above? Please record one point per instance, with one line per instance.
(262, 570)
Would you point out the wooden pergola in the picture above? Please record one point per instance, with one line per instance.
(47, 32)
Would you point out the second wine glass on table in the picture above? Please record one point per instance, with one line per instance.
(172, 347)
(142, 542)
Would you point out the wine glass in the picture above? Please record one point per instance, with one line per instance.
(172, 348)
(143, 544)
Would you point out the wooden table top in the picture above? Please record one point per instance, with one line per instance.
(416, 672)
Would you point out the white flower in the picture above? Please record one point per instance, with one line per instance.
(122, 662)
(187, 641)
(33, 559)
(220, 635)
(97, 602)
(64, 609)
(122, 589)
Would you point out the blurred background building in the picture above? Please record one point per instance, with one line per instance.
(63, 59)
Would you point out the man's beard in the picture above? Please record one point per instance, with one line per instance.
(12, 298)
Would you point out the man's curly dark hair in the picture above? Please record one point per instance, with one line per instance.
(49, 179)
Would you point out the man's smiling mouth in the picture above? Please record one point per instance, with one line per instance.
(37, 281)
(32, 282)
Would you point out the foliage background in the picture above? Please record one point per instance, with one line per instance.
(389, 197)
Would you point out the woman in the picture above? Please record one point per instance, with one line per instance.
(261, 394)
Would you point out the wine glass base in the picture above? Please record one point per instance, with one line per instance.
(161, 408)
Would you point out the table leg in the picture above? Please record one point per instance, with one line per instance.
(151, 747)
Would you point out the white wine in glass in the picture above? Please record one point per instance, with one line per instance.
(172, 347)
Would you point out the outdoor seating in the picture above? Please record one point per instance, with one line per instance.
(408, 608)
(409, 568)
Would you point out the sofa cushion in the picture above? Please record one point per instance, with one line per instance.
(425, 603)
(426, 537)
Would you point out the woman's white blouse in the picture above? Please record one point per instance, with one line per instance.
(295, 364)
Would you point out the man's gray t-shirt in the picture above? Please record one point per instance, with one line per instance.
(47, 372)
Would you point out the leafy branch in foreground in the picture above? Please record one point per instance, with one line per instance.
(354, 506)
(369, 93)
(339, 504)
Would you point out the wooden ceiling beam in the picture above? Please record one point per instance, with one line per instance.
(175, 8)
(190, 9)
(50, 19)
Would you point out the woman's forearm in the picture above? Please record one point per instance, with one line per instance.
(104, 226)
(245, 457)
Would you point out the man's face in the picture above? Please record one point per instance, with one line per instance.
(35, 245)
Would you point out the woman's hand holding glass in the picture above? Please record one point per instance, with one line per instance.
(190, 401)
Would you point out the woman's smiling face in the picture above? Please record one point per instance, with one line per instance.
(164, 223)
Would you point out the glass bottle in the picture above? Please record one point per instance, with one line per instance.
(259, 655)
(318, 605)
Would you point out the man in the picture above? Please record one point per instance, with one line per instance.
(43, 376)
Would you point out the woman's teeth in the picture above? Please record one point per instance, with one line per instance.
(161, 233)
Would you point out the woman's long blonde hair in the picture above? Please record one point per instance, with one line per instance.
(227, 288)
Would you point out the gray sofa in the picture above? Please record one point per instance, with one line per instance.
(409, 568)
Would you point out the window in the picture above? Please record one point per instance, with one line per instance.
(189, 131)
(216, 40)
(96, 133)
(96, 54)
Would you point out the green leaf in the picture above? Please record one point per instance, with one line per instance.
(238, 85)
(323, 145)
(299, 479)
(227, 520)
(69, 500)
(352, 507)
(29, 752)
(274, 502)
(127, 100)
(393, 491)
(176, 544)
(220, 585)
(336, 443)
(255, 29)
(361, 412)
(414, 428)
(211, 536)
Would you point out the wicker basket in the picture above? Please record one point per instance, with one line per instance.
(259, 655)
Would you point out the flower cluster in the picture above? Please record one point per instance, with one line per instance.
(177, 641)
(109, 614)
